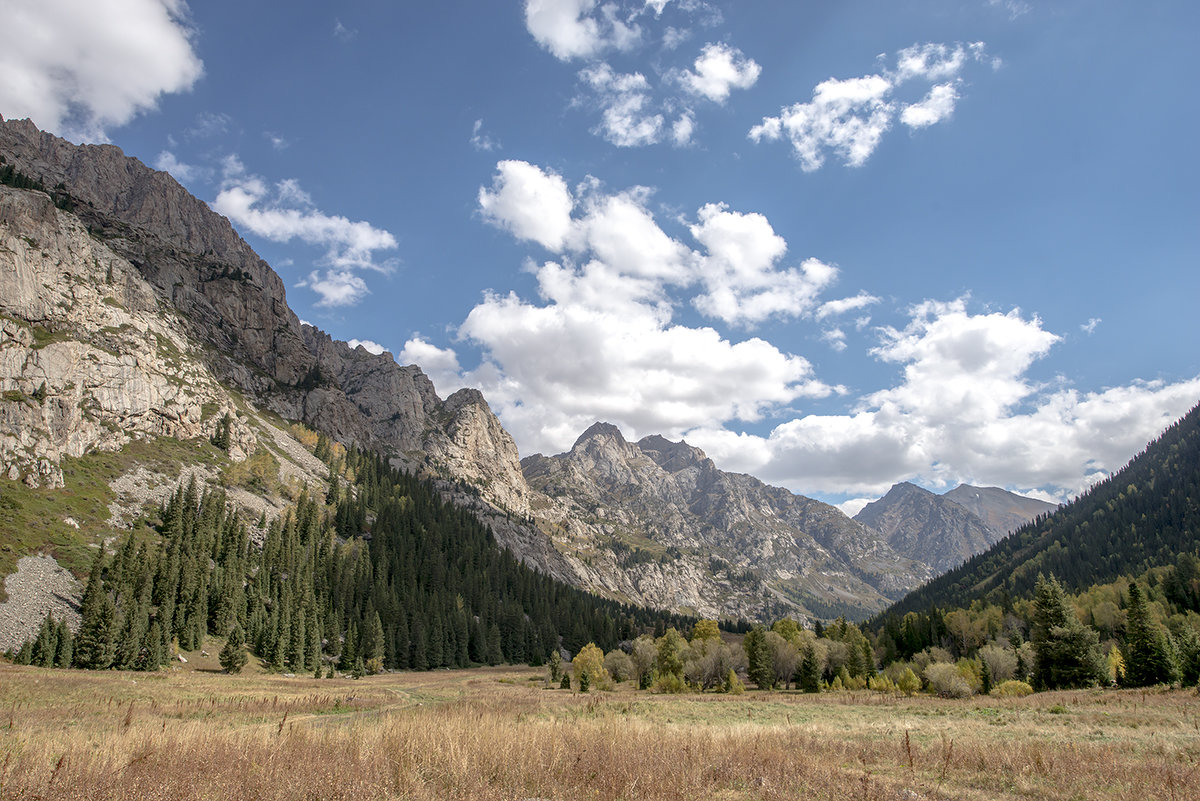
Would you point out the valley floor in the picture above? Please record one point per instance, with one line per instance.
(499, 734)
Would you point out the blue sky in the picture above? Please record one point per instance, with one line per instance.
(836, 245)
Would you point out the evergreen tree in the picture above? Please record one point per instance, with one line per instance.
(1149, 657)
(760, 666)
(233, 656)
(810, 670)
(1068, 653)
(94, 646)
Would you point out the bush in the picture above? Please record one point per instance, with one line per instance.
(619, 665)
(945, 680)
(908, 683)
(1013, 689)
(668, 683)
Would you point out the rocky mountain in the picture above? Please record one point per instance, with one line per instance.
(658, 522)
(1002, 510)
(945, 530)
(133, 316)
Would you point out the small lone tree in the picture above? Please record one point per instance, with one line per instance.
(233, 656)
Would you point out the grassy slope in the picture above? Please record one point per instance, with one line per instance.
(498, 734)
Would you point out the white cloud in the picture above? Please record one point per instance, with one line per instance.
(277, 141)
(963, 411)
(657, 6)
(743, 284)
(853, 506)
(440, 364)
(287, 213)
(480, 140)
(850, 117)
(834, 308)
(1090, 326)
(718, 70)
(835, 338)
(601, 343)
(367, 345)
(933, 108)
(572, 29)
(79, 69)
(628, 118)
(1015, 8)
(184, 173)
(530, 203)
(342, 33)
(336, 287)
(682, 129)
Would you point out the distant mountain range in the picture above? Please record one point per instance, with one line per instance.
(943, 531)
(1143, 516)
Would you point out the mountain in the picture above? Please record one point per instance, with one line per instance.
(945, 530)
(1001, 510)
(659, 522)
(1141, 517)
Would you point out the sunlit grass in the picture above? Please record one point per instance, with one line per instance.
(497, 734)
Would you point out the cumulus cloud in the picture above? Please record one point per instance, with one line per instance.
(367, 345)
(284, 212)
(440, 364)
(601, 343)
(79, 69)
(530, 203)
(963, 411)
(572, 29)
(718, 70)
(628, 118)
(336, 287)
(1090, 326)
(849, 117)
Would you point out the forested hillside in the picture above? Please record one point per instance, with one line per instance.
(1143, 516)
(380, 574)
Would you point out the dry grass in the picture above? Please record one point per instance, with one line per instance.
(495, 734)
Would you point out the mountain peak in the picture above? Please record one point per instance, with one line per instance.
(599, 429)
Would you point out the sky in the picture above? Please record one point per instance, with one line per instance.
(834, 245)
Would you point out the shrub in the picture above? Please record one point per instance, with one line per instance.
(945, 680)
(1012, 689)
(908, 683)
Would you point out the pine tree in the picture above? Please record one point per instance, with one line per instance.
(233, 656)
(760, 667)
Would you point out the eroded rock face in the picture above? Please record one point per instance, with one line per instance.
(199, 272)
(88, 359)
(656, 521)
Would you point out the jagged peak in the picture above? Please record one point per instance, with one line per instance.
(671, 455)
(599, 429)
(467, 396)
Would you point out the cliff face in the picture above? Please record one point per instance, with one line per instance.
(680, 532)
(88, 357)
(224, 296)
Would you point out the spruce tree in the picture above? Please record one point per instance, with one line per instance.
(810, 670)
(94, 645)
(1149, 657)
(1068, 653)
(233, 656)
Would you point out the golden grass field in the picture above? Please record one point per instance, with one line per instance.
(499, 734)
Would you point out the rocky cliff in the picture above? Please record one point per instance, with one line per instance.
(658, 522)
(217, 290)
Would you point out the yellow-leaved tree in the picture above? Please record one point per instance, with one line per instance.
(588, 665)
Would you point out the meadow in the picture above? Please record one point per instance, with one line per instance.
(500, 733)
